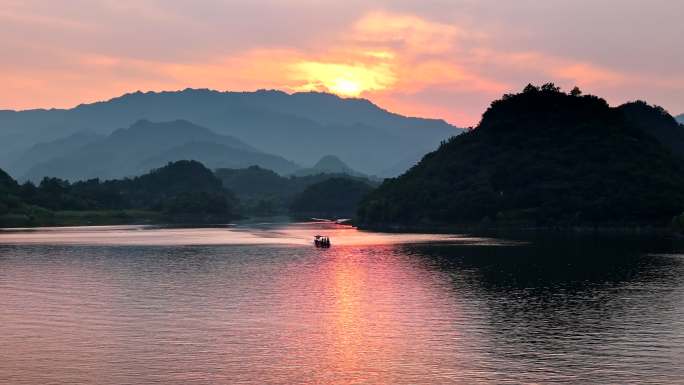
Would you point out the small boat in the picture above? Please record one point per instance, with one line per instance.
(339, 221)
(321, 241)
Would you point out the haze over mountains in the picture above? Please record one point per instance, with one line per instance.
(147, 145)
(46, 151)
(680, 118)
(301, 128)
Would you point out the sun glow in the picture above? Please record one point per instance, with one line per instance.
(344, 79)
(344, 86)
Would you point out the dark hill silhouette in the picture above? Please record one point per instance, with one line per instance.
(329, 164)
(177, 177)
(331, 198)
(302, 127)
(540, 157)
(657, 122)
(263, 192)
(7, 183)
(146, 145)
(680, 118)
(404, 163)
(9, 191)
(253, 180)
(184, 191)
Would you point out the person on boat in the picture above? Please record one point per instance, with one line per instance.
(321, 241)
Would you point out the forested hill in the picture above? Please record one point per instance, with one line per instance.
(657, 122)
(263, 192)
(332, 198)
(541, 157)
(183, 191)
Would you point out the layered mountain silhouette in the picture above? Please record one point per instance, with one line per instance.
(301, 127)
(544, 158)
(146, 145)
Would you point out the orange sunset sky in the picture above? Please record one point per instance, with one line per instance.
(444, 59)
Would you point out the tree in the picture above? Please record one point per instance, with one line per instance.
(550, 87)
(527, 90)
(576, 91)
(28, 191)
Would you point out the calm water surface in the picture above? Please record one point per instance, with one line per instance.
(260, 305)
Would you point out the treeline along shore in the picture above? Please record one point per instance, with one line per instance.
(180, 192)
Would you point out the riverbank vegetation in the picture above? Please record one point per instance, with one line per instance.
(183, 191)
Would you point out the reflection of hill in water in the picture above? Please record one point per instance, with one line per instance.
(560, 303)
(569, 261)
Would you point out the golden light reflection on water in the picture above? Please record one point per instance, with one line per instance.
(360, 318)
(346, 323)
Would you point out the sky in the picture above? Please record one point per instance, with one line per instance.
(433, 58)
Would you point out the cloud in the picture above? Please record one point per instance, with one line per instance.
(429, 58)
(404, 32)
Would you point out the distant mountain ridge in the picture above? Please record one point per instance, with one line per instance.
(146, 145)
(302, 127)
(680, 118)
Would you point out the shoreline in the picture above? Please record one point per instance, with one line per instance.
(106, 218)
(475, 229)
(141, 217)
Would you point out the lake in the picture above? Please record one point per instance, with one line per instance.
(258, 304)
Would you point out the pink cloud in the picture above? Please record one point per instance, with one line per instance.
(440, 59)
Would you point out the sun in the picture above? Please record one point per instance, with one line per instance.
(345, 87)
(350, 80)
